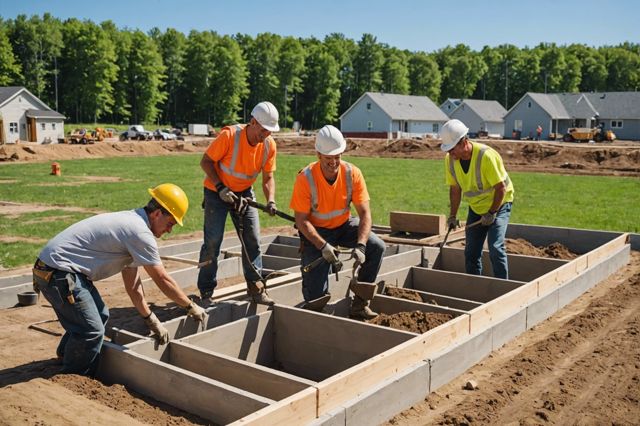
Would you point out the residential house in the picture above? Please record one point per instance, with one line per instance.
(449, 105)
(481, 116)
(385, 115)
(557, 112)
(24, 117)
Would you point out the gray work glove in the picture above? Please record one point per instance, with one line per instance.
(330, 254)
(271, 208)
(241, 205)
(453, 222)
(358, 254)
(488, 218)
(156, 327)
(196, 312)
(226, 194)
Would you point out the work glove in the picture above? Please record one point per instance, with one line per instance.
(330, 254)
(358, 254)
(241, 205)
(196, 312)
(488, 218)
(226, 194)
(271, 208)
(156, 327)
(453, 222)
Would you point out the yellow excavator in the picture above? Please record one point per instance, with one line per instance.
(585, 134)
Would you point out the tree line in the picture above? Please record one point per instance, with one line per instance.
(98, 72)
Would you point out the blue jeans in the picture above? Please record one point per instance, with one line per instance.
(83, 321)
(495, 240)
(215, 217)
(315, 283)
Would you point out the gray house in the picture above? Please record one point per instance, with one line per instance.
(557, 112)
(24, 117)
(481, 116)
(384, 115)
(449, 105)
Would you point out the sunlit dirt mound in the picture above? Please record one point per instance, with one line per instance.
(415, 321)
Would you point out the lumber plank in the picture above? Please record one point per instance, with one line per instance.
(298, 409)
(502, 307)
(430, 224)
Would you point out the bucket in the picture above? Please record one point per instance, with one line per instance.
(55, 169)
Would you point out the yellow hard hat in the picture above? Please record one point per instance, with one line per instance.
(172, 198)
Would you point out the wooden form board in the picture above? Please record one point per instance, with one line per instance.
(250, 339)
(251, 377)
(577, 240)
(521, 268)
(356, 380)
(298, 409)
(463, 286)
(206, 398)
(318, 346)
(430, 224)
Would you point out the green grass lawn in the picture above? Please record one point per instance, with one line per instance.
(590, 202)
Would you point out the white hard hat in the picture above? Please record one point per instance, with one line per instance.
(267, 115)
(329, 141)
(451, 133)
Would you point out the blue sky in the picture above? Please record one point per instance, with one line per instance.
(425, 25)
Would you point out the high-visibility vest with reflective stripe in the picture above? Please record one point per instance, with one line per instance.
(478, 169)
(480, 198)
(231, 169)
(314, 193)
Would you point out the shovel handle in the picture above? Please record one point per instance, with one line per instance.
(264, 208)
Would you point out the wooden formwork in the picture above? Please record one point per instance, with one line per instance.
(253, 364)
(284, 365)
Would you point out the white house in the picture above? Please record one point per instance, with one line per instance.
(24, 117)
(386, 115)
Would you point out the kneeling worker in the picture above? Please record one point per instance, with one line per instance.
(97, 248)
(322, 197)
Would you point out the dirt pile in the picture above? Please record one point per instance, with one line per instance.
(621, 159)
(415, 321)
(554, 250)
(403, 293)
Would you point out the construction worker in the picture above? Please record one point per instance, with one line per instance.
(97, 248)
(232, 163)
(476, 172)
(322, 197)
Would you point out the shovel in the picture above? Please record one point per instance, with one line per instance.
(476, 223)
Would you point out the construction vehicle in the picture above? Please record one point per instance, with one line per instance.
(585, 134)
(84, 136)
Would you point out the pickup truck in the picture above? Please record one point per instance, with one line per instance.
(136, 132)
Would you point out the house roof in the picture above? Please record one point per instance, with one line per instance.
(38, 113)
(8, 92)
(491, 111)
(454, 101)
(407, 107)
(623, 105)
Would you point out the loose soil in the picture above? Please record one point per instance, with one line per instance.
(414, 321)
(581, 366)
(620, 159)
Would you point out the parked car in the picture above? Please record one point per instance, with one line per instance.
(136, 132)
(164, 135)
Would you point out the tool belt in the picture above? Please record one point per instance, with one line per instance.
(42, 271)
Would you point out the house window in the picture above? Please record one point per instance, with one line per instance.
(369, 125)
(435, 127)
(53, 126)
(13, 127)
(529, 104)
(616, 124)
(368, 106)
(43, 126)
(517, 125)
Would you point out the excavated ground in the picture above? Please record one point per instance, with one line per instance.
(581, 366)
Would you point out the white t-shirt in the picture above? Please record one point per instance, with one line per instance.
(103, 245)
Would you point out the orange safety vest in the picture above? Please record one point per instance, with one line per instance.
(239, 165)
(328, 205)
